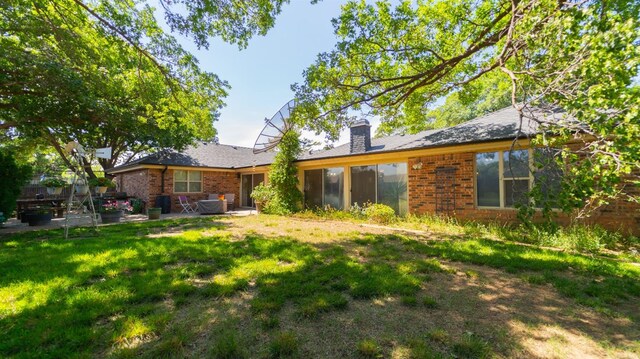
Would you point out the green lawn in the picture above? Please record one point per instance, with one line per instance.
(278, 287)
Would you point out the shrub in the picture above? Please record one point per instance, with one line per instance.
(380, 213)
(54, 182)
(262, 194)
(12, 176)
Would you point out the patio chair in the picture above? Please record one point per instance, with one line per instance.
(230, 197)
(186, 206)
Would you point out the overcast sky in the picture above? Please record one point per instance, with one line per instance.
(261, 75)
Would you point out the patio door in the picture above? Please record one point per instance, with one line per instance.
(249, 182)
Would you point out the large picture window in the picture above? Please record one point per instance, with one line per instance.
(324, 187)
(384, 183)
(187, 181)
(504, 178)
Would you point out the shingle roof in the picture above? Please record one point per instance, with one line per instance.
(210, 155)
(499, 125)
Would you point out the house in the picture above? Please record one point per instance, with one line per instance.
(476, 170)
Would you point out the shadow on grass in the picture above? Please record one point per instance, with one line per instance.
(127, 287)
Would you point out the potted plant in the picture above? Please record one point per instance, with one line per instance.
(81, 188)
(101, 184)
(154, 212)
(261, 195)
(54, 185)
(40, 216)
(112, 211)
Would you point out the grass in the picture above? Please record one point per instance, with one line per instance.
(284, 345)
(236, 288)
(368, 348)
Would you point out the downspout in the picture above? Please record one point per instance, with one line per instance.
(162, 179)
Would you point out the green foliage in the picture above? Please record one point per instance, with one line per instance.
(397, 61)
(368, 348)
(129, 271)
(283, 177)
(380, 213)
(102, 182)
(262, 193)
(54, 182)
(472, 347)
(284, 345)
(105, 73)
(12, 177)
(227, 346)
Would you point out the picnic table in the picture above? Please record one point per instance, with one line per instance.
(57, 205)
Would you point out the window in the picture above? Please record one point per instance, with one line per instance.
(324, 187)
(187, 181)
(392, 186)
(516, 177)
(384, 183)
(488, 179)
(504, 178)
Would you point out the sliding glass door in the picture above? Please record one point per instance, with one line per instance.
(248, 183)
(384, 183)
(324, 187)
(363, 185)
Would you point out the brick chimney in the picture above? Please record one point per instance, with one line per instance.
(360, 136)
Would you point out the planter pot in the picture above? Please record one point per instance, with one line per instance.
(82, 189)
(154, 213)
(54, 190)
(258, 207)
(101, 189)
(111, 217)
(39, 219)
(24, 215)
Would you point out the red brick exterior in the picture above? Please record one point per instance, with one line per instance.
(146, 184)
(621, 215)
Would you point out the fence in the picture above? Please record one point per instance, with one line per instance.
(31, 191)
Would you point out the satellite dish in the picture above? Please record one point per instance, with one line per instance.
(274, 129)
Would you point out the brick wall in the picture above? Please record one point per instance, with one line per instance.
(212, 183)
(146, 184)
(621, 215)
(135, 183)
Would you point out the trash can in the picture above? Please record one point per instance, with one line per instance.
(164, 202)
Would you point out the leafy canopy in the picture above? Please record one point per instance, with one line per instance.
(105, 74)
(399, 62)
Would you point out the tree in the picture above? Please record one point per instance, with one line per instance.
(582, 57)
(12, 176)
(105, 74)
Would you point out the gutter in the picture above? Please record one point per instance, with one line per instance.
(162, 179)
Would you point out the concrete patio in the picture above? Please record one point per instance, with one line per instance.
(14, 225)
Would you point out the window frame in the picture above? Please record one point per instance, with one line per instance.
(188, 180)
(376, 165)
(323, 171)
(502, 178)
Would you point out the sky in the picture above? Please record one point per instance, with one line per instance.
(261, 75)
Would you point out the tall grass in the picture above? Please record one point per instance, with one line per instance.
(576, 237)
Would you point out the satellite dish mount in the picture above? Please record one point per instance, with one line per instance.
(274, 129)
